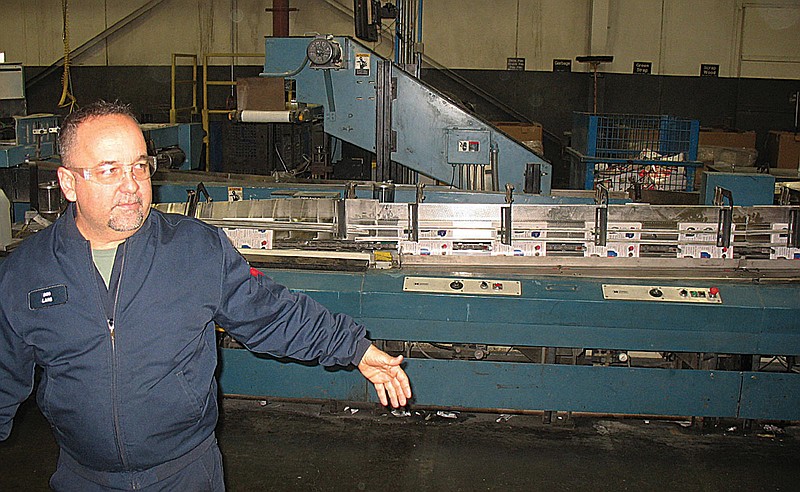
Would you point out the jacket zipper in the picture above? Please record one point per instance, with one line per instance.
(111, 330)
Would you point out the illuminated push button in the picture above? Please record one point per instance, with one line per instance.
(713, 291)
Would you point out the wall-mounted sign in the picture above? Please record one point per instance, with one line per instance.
(515, 64)
(709, 70)
(562, 65)
(642, 67)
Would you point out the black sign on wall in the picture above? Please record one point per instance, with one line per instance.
(515, 64)
(642, 67)
(562, 65)
(709, 70)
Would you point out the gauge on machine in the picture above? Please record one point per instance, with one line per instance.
(323, 51)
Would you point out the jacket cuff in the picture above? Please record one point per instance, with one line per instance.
(361, 349)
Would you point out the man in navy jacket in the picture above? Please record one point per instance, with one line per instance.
(117, 303)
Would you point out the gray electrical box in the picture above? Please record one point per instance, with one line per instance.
(12, 90)
(468, 146)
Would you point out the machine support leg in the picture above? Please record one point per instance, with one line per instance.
(383, 122)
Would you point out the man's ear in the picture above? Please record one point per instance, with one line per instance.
(67, 182)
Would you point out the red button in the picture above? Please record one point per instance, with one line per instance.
(713, 291)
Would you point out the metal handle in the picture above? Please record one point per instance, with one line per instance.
(601, 216)
(505, 225)
(725, 220)
(793, 236)
(413, 221)
(341, 215)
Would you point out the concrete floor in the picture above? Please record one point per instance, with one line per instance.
(291, 446)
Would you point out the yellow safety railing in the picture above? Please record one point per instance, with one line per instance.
(174, 110)
(206, 83)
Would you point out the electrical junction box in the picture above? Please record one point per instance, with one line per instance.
(468, 146)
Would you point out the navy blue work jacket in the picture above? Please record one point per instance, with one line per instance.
(144, 392)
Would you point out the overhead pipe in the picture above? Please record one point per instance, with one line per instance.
(280, 18)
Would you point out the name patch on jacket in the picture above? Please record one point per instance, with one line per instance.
(49, 296)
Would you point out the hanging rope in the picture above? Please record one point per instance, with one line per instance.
(67, 99)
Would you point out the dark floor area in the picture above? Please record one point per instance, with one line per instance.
(292, 446)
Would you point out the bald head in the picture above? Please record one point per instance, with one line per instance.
(67, 137)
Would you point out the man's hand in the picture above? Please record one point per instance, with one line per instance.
(385, 373)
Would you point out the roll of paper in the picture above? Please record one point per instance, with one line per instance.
(253, 116)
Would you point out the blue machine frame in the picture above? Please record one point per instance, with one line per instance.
(187, 136)
(552, 312)
(432, 134)
(35, 138)
(568, 329)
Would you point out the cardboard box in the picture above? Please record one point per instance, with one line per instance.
(727, 156)
(524, 132)
(260, 93)
(731, 139)
(783, 150)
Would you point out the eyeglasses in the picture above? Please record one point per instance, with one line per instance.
(111, 174)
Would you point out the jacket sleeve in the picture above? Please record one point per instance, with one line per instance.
(16, 373)
(267, 317)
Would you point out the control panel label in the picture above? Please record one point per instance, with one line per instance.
(456, 285)
(658, 293)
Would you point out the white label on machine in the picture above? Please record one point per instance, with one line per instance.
(699, 240)
(658, 293)
(235, 193)
(469, 146)
(622, 240)
(527, 240)
(246, 238)
(780, 238)
(444, 285)
(362, 64)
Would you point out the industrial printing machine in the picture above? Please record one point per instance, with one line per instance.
(535, 300)
(501, 292)
(632, 309)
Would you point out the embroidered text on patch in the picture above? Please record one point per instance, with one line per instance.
(48, 296)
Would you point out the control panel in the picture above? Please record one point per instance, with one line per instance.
(705, 295)
(445, 285)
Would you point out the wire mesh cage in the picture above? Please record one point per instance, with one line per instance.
(638, 137)
(621, 151)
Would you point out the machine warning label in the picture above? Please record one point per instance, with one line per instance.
(469, 146)
(362, 64)
(234, 193)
